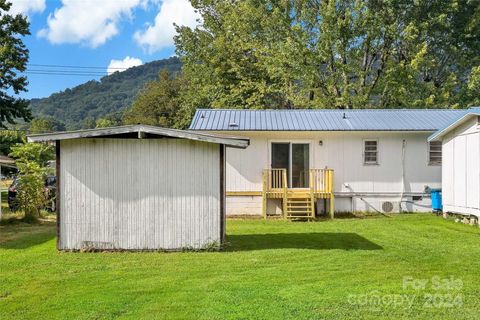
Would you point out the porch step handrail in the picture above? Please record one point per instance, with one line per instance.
(275, 185)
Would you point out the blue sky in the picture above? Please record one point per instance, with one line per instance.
(96, 33)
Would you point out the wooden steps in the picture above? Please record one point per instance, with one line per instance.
(300, 205)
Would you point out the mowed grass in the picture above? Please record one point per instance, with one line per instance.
(341, 269)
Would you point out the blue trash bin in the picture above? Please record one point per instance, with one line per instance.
(436, 199)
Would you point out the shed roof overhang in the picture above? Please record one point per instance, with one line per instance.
(438, 135)
(141, 132)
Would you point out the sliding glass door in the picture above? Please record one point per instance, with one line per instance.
(295, 157)
(300, 165)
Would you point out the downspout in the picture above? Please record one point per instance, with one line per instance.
(404, 143)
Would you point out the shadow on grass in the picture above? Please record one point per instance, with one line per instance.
(22, 236)
(314, 241)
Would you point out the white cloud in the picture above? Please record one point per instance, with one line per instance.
(90, 22)
(122, 65)
(160, 35)
(27, 7)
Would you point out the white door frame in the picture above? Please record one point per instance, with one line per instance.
(290, 142)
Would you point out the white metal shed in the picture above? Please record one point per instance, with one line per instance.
(140, 188)
(461, 164)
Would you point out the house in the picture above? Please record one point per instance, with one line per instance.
(140, 188)
(301, 162)
(460, 141)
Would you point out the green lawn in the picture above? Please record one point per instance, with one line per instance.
(347, 268)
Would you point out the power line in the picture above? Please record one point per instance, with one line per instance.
(70, 70)
(63, 73)
(76, 67)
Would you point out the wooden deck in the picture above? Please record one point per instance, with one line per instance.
(298, 203)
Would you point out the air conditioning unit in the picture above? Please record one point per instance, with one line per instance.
(390, 206)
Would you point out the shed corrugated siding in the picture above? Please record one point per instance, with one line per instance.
(324, 119)
(139, 194)
(461, 169)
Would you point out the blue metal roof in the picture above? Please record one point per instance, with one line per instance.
(324, 119)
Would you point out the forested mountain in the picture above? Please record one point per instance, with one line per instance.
(96, 99)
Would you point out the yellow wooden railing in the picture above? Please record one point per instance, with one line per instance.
(321, 180)
(275, 178)
(275, 185)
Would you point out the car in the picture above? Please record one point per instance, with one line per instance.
(12, 194)
(50, 190)
(51, 193)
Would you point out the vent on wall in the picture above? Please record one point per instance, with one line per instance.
(387, 206)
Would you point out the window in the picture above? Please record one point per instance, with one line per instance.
(435, 153)
(295, 157)
(370, 152)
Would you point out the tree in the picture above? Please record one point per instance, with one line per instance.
(47, 124)
(325, 54)
(31, 160)
(9, 138)
(34, 152)
(30, 193)
(88, 123)
(103, 123)
(13, 59)
(158, 103)
(114, 118)
(471, 93)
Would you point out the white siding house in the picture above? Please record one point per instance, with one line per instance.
(381, 159)
(140, 188)
(461, 164)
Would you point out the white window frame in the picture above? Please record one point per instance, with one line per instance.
(437, 162)
(370, 163)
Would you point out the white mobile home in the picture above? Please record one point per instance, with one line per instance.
(303, 161)
(140, 188)
(460, 140)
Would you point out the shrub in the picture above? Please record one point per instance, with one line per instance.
(30, 192)
(32, 159)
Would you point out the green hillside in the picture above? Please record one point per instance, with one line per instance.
(95, 99)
